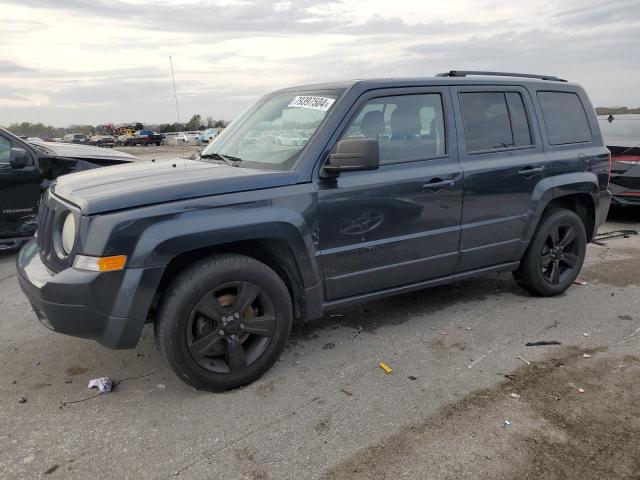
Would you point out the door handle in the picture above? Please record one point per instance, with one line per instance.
(437, 183)
(530, 171)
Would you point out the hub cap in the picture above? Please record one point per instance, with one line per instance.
(230, 327)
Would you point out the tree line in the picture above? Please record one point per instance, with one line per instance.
(41, 130)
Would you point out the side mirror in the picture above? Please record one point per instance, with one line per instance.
(18, 158)
(354, 154)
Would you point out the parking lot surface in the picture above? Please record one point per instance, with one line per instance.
(326, 409)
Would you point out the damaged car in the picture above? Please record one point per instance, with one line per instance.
(622, 137)
(26, 170)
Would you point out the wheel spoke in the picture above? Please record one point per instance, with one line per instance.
(546, 260)
(246, 295)
(202, 345)
(211, 308)
(264, 326)
(234, 354)
(570, 260)
(568, 237)
(555, 272)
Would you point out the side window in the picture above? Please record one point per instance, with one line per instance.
(407, 127)
(564, 118)
(519, 121)
(486, 121)
(5, 152)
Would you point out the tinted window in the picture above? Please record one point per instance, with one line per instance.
(407, 127)
(519, 122)
(486, 121)
(5, 151)
(564, 118)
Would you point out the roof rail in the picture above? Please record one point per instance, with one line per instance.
(464, 73)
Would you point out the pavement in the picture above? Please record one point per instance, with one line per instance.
(326, 409)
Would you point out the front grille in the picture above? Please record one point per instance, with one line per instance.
(49, 213)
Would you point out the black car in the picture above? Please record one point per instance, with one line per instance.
(404, 184)
(26, 170)
(621, 135)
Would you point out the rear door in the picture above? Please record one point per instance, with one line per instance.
(399, 224)
(20, 192)
(503, 160)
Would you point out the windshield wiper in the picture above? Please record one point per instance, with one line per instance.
(228, 159)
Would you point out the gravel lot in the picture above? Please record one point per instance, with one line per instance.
(327, 411)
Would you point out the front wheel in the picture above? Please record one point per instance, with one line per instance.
(224, 322)
(555, 255)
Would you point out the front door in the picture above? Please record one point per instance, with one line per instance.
(19, 194)
(398, 224)
(502, 157)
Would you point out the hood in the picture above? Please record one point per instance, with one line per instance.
(88, 152)
(146, 183)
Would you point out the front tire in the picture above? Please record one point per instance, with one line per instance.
(555, 255)
(224, 322)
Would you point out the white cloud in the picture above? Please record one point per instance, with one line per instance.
(94, 61)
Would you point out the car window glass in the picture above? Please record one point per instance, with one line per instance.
(486, 121)
(407, 127)
(564, 118)
(5, 152)
(519, 122)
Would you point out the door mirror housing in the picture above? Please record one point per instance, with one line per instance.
(18, 158)
(354, 154)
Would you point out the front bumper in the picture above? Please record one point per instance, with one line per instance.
(110, 308)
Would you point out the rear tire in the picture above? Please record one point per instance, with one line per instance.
(555, 255)
(224, 322)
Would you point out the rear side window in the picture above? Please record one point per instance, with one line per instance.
(564, 118)
(494, 120)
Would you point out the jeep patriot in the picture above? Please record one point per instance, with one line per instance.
(394, 185)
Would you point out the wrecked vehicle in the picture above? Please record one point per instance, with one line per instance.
(622, 136)
(26, 170)
(404, 184)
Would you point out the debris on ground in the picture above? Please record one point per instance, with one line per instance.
(585, 334)
(542, 343)
(357, 332)
(51, 469)
(613, 234)
(103, 384)
(346, 392)
(514, 395)
(524, 360)
(385, 367)
(467, 328)
(581, 390)
(22, 400)
(443, 332)
(579, 281)
(586, 355)
(68, 381)
(328, 346)
(411, 377)
(506, 423)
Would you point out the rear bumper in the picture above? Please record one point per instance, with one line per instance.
(110, 308)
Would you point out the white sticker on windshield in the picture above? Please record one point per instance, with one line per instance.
(313, 102)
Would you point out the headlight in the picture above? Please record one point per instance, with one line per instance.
(68, 233)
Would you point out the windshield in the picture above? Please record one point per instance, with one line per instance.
(273, 132)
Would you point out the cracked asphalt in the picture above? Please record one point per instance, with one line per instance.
(326, 410)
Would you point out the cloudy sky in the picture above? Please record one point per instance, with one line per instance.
(98, 61)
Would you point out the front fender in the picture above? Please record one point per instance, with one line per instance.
(152, 236)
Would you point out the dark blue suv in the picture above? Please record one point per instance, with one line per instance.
(321, 196)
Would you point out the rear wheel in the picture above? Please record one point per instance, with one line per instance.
(555, 255)
(224, 322)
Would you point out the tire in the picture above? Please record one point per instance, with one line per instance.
(555, 255)
(233, 350)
